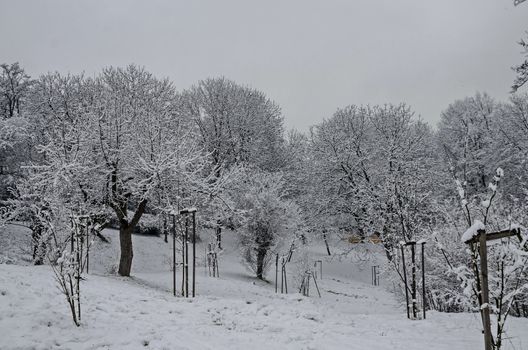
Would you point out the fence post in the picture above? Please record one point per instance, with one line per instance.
(405, 281)
(484, 288)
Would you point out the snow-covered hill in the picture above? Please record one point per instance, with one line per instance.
(235, 311)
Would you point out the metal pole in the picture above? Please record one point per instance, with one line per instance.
(194, 253)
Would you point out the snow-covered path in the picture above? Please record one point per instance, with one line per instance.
(231, 312)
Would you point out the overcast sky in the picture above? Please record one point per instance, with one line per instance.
(310, 56)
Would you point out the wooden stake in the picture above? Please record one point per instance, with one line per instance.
(194, 253)
(186, 263)
(424, 305)
(405, 281)
(413, 290)
(174, 255)
(485, 307)
(276, 271)
(317, 287)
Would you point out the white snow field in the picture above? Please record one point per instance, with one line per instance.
(235, 311)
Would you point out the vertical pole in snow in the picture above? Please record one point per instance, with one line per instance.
(87, 249)
(186, 262)
(194, 253)
(317, 287)
(78, 242)
(413, 269)
(285, 280)
(209, 260)
(485, 292)
(282, 275)
(405, 281)
(183, 263)
(276, 272)
(423, 281)
(173, 254)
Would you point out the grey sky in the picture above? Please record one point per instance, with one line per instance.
(309, 56)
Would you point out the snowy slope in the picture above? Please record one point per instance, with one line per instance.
(234, 311)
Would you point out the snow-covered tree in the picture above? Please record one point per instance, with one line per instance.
(269, 218)
(139, 131)
(522, 69)
(237, 125)
(14, 88)
(374, 166)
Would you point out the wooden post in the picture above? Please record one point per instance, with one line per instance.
(485, 307)
(320, 275)
(183, 262)
(276, 272)
(375, 275)
(194, 253)
(413, 269)
(186, 263)
(174, 255)
(78, 242)
(424, 305)
(282, 275)
(317, 287)
(405, 281)
(481, 239)
(88, 243)
(285, 279)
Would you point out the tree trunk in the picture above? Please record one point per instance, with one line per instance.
(261, 254)
(39, 247)
(326, 244)
(125, 240)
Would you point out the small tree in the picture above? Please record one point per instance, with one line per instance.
(508, 274)
(269, 219)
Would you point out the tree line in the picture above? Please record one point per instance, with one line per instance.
(126, 143)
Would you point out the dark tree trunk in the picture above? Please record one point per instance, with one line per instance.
(125, 240)
(326, 244)
(125, 235)
(165, 230)
(261, 254)
(39, 248)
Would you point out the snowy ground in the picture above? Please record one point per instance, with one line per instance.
(234, 311)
